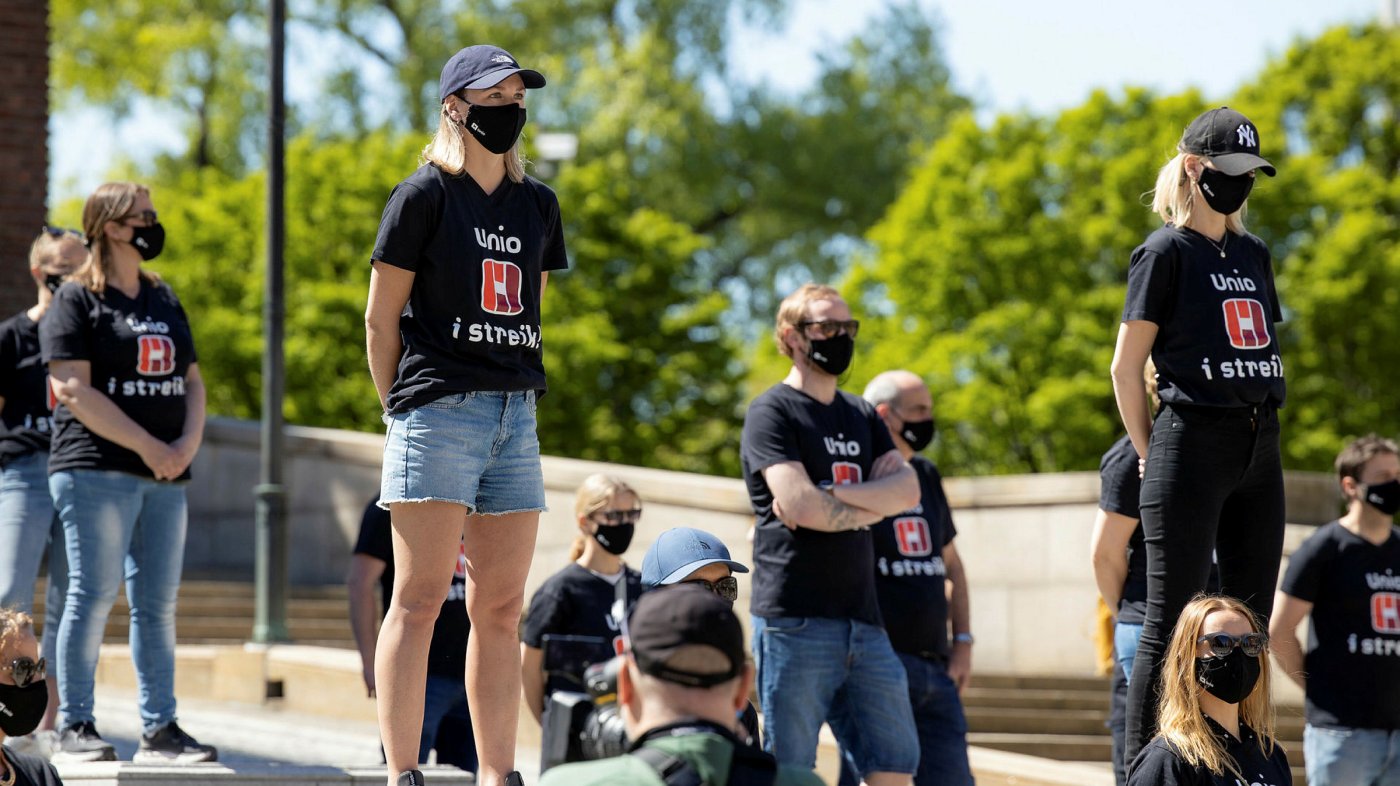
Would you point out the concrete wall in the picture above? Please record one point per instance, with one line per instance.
(1024, 538)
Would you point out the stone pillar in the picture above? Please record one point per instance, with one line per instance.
(24, 140)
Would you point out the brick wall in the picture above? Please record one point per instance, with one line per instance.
(24, 138)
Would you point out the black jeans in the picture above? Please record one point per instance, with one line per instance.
(1214, 480)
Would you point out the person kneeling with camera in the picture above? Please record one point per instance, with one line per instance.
(682, 683)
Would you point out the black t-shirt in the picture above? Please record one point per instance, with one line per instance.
(1119, 487)
(472, 321)
(447, 654)
(1158, 763)
(1216, 344)
(1353, 660)
(803, 572)
(139, 350)
(909, 572)
(32, 770)
(28, 414)
(577, 602)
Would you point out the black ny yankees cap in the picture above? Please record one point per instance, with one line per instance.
(1228, 139)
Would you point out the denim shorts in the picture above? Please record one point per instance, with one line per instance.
(478, 450)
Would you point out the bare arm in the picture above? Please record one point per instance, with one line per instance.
(959, 615)
(192, 435)
(1283, 636)
(544, 280)
(886, 494)
(1129, 357)
(532, 679)
(364, 575)
(1109, 555)
(71, 383)
(389, 288)
(799, 503)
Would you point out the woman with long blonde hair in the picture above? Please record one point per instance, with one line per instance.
(1216, 715)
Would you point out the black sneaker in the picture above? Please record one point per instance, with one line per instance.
(81, 742)
(410, 778)
(170, 744)
(513, 779)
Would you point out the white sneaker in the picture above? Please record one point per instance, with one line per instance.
(40, 742)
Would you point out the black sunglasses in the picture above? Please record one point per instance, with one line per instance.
(831, 328)
(148, 217)
(26, 670)
(727, 587)
(58, 232)
(612, 518)
(1221, 644)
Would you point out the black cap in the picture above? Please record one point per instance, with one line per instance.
(482, 66)
(666, 627)
(1228, 139)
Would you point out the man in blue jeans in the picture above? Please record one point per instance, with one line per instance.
(821, 470)
(1346, 576)
(915, 564)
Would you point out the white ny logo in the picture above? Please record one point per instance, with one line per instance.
(1246, 134)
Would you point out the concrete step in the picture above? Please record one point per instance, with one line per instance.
(1039, 682)
(1044, 699)
(1002, 720)
(1062, 747)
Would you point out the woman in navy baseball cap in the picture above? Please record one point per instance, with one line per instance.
(464, 250)
(1201, 303)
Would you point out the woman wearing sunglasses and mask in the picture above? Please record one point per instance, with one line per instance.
(1201, 303)
(1216, 720)
(464, 250)
(24, 696)
(573, 617)
(122, 367)
(27, 520)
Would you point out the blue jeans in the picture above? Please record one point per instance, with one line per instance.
(119, 526)
(28, 524)
(1125, 645)
(1351, 757)
(843, 672)
(942, 727)
(447, 724)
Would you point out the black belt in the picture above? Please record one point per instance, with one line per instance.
(932, 657)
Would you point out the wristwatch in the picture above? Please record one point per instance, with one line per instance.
(963, 638)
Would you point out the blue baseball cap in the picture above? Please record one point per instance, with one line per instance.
(680, 552)
(482, 66)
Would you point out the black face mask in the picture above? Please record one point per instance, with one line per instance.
(52, 281)
(1230, 678)
(1384, 497)
(918, 433)
(495, 127)
(832, 355)
(616, 538)
(21, 709)
(1225, 193)
(148, 240)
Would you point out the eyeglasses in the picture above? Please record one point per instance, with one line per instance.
(1221, 644)
(27, 670)
(612, 518)
(148, 217)
(727, 587)
(831, 328)
(58, 232)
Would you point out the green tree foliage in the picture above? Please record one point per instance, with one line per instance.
(1000, 268)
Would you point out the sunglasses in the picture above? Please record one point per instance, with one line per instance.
(727, 587)
(27, 670)
(612, 518)
(58, 232)
(148, 217)
(831, 328)
(1221, 644)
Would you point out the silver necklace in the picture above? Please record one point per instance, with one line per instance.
(1218, 246)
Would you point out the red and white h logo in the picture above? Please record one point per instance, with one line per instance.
(1245, 323)
(913, 537)
(1385, 612)
(844, 473)
(157, 356)
(500, 288)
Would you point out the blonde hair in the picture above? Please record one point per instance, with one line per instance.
(594, 494)
(110, 202)
(13, 624)
(793, 309)
(1179, 717)
(448, 149)
(1174, 196)
(48, 248)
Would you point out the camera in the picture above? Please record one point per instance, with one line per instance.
(581, 725)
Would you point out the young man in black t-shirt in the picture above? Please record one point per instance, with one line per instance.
(1346, 578)
(915, 565)
(821, 470)
(447, 721)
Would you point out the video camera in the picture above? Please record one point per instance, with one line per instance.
(581, 725)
